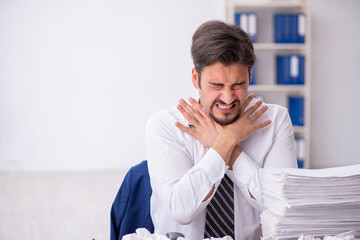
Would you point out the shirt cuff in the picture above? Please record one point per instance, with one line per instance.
(214, 166)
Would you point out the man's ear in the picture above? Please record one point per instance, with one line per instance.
(195, 78)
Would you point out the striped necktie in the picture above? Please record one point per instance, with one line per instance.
(220, 211)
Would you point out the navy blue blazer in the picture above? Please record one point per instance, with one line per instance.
(131, 207)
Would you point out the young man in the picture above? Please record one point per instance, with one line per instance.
(204, 158)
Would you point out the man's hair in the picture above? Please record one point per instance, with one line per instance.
(217, 41)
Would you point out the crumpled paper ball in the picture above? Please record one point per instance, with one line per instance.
(343, 236)
(144, 234)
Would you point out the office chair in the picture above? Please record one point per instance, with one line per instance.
(131, 207)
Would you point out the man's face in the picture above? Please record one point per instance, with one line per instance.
(223, 89)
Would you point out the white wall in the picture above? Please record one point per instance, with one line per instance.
(335, 138)
(78, 79)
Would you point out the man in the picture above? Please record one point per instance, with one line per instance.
(223, 138)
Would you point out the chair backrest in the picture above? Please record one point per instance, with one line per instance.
(131, 207)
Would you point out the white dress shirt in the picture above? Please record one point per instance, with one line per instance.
(183, 171)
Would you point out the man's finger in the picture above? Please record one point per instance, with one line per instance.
(261, 125)
(247, 101)
(202, 111)
(195, 114)
(183, 128)
(258, 114)
(253, 108)
(186, 115)
(197, 106)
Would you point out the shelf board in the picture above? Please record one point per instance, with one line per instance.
(277, 88)
(270, 5)
(280, 46)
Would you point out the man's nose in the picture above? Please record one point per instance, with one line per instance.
(227, 96)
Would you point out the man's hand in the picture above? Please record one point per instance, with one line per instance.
(244, 126)
(222, 138)
(205, 128)
(230, 135)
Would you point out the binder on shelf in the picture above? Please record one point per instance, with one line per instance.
(301, 28)
(289, 28)
(292, 30)
(286, 28)
(290, 69)
(296, 110)
(300, 151)
(253, 75)
(278, 27)
(282, 70)
(247, 21)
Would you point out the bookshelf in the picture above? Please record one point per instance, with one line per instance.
(266, 51)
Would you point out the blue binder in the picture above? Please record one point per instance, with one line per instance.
(278, 29)
(300, 151)
(296, 110)
(289, 28)
(290, 69)
(286, 28)
(253, 76)
(282, 70)
(293, 28)
(301, 23)
(237, 18)
(300, 163)
(301, 79)
(247, 21)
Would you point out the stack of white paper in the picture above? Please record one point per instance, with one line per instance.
(313, 202)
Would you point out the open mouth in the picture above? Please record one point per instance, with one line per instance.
(226, 108)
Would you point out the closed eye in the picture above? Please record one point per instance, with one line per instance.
(239, 85)
(217, 85)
